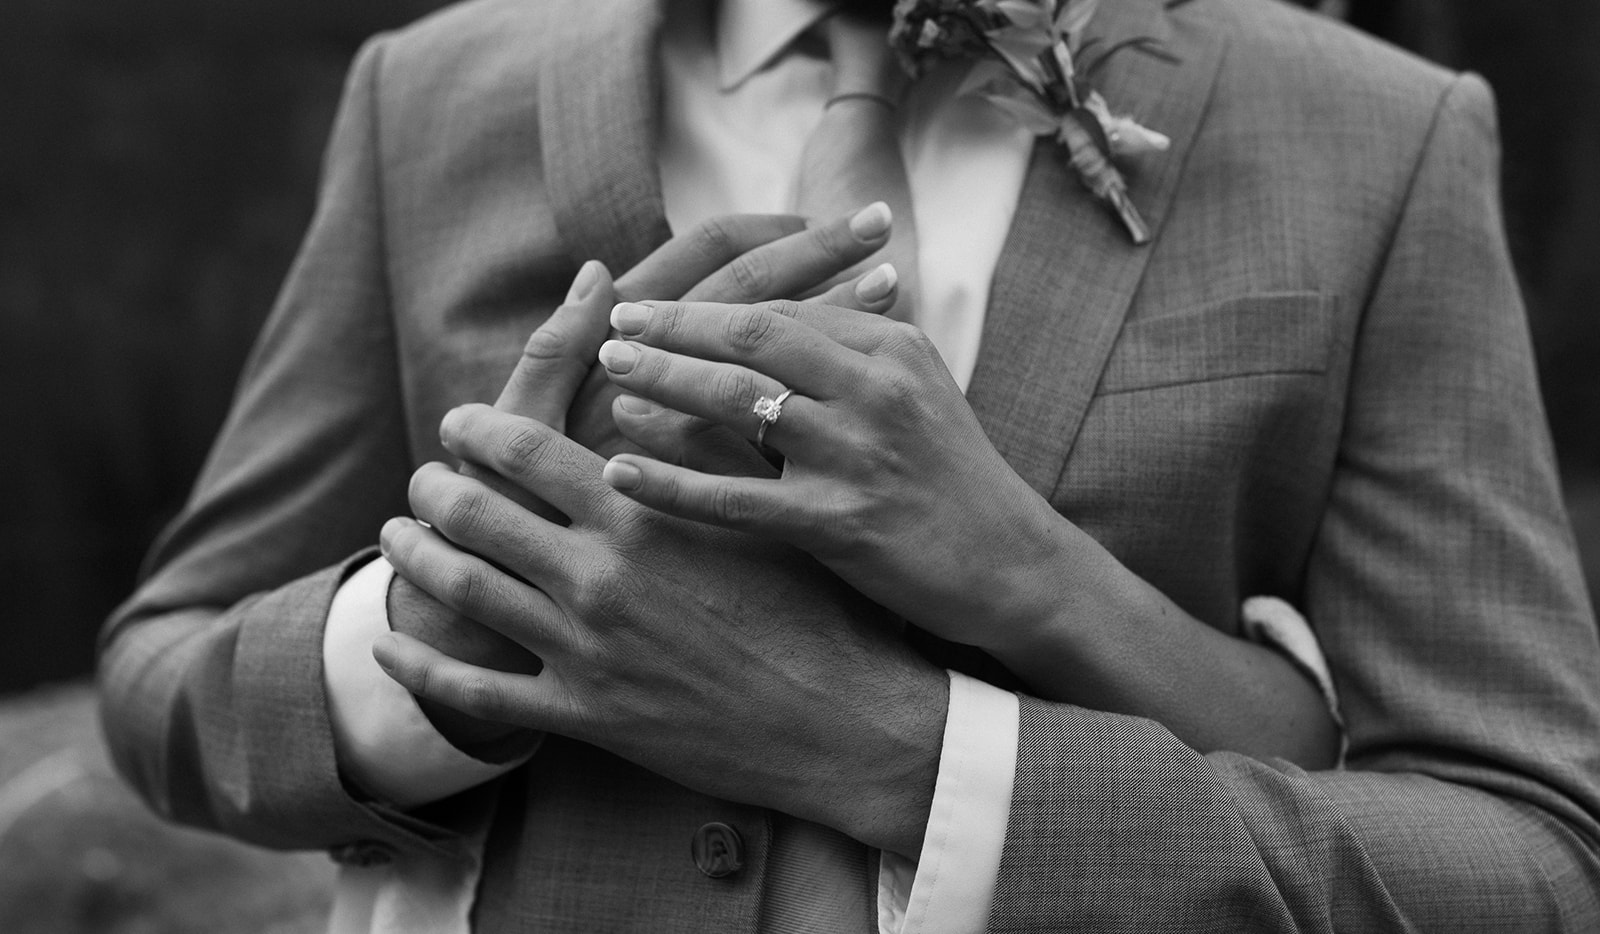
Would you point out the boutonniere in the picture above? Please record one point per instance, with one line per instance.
(1032, 62)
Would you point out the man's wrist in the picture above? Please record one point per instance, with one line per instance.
(384, 745)
(888, 803)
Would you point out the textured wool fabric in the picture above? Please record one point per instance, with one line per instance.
(1315, 384)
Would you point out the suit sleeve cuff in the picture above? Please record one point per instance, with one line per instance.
(950, 886)
(384, 743)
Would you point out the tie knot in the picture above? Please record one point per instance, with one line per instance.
(863, 64)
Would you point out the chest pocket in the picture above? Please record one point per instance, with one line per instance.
(1254, 335)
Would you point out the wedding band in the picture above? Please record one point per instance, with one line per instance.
(769, 409)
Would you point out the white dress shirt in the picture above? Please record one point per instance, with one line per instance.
(738, 103)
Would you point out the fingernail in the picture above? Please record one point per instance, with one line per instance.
(618, 356)
(630, 318)
(872, 222)
(622, 475)
(876, 285)
(449, 427)
(588, 277)
(383, 650)
(387, 533)
(634, 405)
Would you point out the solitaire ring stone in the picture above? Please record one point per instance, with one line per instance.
(768, 409)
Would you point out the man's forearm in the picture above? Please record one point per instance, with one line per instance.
(178, 705)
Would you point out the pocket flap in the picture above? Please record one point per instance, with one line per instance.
(1275, 333)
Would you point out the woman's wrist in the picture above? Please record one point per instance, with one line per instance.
(1033, 603)
(1062, 627)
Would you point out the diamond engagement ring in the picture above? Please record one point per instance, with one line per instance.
(769, 409)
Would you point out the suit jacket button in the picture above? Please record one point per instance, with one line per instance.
(718, 850)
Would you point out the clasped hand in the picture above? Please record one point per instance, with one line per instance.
(888, 479)
(890, 482)
(737, 258)
(738, 667)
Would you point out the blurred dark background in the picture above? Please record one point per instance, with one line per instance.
(158, 160)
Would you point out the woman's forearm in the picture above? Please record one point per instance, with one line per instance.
(1093, 633)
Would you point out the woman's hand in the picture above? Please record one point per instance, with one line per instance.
(888, 479)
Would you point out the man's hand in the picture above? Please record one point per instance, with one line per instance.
(738, 668)
(556, 383)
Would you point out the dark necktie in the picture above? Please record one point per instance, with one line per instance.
(818, 880)
(852, 158)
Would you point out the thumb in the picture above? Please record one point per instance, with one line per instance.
(559, 354)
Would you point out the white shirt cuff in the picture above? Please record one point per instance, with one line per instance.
(384, 742)
(949, 888)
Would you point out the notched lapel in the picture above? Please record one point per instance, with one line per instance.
(599, 97)
(1069, 272)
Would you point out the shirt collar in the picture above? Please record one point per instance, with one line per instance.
(751, 33)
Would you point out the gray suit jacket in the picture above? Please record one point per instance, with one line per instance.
(1316, 383)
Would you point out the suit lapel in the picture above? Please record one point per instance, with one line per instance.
(599, 99)
(1069, 272)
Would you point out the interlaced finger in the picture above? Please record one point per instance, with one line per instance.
(725, 393)
(557, 358)
(774, 338)
(797, 264)
(561, 351)
(688, 440)
(765, 507)
(476, 518)
(531, 455)
(677, 265)
(532, 701)
(874, 291)
(472, 586)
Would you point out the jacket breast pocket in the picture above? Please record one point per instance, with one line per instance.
(1253, 335)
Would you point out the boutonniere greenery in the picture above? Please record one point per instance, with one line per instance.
(1032, 61)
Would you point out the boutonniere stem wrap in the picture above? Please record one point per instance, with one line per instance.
(1032, 61)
